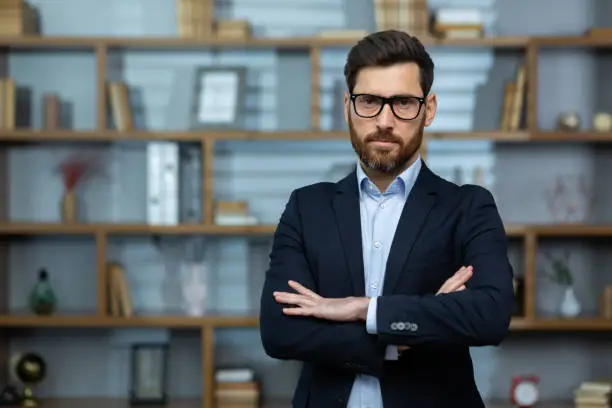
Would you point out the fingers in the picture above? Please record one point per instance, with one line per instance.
(293, 299)
(297, 311)
(457, 281)
(303, 290)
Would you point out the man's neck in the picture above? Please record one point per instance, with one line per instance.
(383, 180)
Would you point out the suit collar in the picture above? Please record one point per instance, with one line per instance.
(425, 180)
(404, 181)
(419, 203)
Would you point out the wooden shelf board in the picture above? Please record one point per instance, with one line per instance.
(178, 43)
(69, 135)
(101, 402)
(49, 42)
(19, 228)
(24, 228)
(91, 320)
(572, 41)
(516, 231)
(42, 136)
(95, 321)
(572, 230)
(493, 135)
(86, 136)
(140, 229)
(586, 136)
(558, 324)
(131, 229)
(540, 404)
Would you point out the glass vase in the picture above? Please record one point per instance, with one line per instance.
(42, 297)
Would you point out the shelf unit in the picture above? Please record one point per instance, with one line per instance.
(101, 47)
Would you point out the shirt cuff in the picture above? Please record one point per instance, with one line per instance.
(391, 353)
(371, 326)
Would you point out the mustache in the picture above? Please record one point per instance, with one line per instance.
(383, 137)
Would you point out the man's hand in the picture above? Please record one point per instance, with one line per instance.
(456, 282)
(310, 304)
(453, 284)
(350, 308)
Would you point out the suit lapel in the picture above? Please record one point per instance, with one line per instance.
(348, 218)
(418, 205)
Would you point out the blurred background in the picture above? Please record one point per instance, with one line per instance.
(148, 148)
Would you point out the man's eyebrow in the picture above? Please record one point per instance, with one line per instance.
(406, 95)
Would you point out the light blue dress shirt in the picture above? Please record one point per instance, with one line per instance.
(380, 214)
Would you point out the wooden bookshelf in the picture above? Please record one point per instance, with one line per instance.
(99, 319)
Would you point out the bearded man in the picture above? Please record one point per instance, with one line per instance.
(381, 283)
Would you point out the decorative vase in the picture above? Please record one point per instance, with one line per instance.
(42, 297)
(195, 287)
(570, 307)
(69, 206)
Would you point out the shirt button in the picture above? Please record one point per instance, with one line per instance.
(382, 205)
(373, 286)
(377, 244)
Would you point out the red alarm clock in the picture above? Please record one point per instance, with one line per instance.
(525, 392)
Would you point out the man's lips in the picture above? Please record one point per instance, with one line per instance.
(383, 143)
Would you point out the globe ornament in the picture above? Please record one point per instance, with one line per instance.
(31, 369)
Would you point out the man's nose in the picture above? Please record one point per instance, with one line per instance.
(386, 118)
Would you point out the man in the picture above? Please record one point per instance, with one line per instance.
(381, 282)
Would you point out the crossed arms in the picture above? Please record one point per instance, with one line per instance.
(332, 331)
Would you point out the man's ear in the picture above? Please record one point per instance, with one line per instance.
(347, 106)
(431, 105)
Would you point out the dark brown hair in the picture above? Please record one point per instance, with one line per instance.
(386, 48)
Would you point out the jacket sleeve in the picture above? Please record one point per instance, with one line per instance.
(477, 316)
(339, 344)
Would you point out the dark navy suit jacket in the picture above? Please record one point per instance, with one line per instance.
(442, 227)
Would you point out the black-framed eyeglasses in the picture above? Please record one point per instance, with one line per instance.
(403, 107)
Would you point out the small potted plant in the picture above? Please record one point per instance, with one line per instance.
(560, 273)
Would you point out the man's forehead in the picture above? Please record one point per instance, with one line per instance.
(398, 79)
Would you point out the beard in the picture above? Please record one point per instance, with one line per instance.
(383, 160)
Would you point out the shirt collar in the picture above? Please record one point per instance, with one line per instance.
(403, 183)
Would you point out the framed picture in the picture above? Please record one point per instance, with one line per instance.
(218, 97)
(149, 374)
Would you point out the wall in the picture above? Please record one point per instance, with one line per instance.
(468, 82)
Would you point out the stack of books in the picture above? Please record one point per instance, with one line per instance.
(593, 394)
(411, 16)
(453, 23)
(236, 388)
(17, 18)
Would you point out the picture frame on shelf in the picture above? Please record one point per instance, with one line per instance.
(149, 374)
(218, 97)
